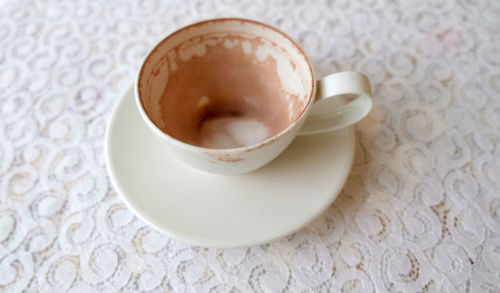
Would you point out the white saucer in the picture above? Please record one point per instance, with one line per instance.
(223, 211)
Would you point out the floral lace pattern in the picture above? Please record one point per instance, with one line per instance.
(419, 212)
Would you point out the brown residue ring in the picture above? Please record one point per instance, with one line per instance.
(224, 157)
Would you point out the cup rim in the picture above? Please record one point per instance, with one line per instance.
(245, 148)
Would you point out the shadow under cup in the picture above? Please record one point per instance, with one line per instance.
(225, 83)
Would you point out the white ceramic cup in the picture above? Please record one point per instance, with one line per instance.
(334, 102)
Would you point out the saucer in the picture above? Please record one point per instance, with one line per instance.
(223, 211)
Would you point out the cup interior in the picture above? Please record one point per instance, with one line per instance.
(225, 83)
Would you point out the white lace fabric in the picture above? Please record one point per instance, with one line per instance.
(420, 211)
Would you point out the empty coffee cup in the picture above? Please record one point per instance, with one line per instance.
(229, 95)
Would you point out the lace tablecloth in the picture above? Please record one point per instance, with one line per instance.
(419, 212)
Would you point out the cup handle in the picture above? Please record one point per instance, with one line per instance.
(326, 114)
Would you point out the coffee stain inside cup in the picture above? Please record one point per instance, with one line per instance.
(225, 90)
(220, 96)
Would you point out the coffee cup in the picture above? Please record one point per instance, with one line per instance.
(229, 95)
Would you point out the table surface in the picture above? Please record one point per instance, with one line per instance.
(419, 212)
